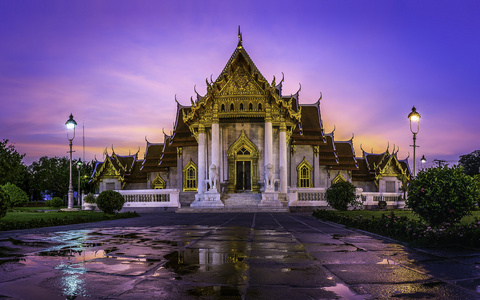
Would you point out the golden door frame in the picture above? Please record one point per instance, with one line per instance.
(243, 150)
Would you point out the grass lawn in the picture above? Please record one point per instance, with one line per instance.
(401, 213)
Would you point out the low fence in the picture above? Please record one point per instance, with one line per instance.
(148, 199)
(315, 197)
(307, 197)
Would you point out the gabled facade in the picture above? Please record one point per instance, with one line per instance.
(245, 136)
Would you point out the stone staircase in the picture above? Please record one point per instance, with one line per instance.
(238, 202)
(241, 200)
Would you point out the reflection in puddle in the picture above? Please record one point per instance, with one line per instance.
(344, 292)
(72, 281)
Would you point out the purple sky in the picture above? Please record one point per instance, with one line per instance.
(117, 65)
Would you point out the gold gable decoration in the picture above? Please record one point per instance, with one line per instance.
(338, 178)
(241, 91)
(158, 183)
(107, 170)
(241, 83)
(392, 168)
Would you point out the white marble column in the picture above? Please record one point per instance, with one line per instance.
(216, 148)
(283, 159)
(268, 155)
(268, 143)
(201, 159)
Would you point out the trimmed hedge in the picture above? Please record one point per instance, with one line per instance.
(55, 202)
(110, 202)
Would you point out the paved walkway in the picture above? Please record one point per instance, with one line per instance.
(227, 256)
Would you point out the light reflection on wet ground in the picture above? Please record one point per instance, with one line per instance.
(233, 256)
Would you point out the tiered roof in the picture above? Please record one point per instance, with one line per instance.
(372, 167)
(126, 168)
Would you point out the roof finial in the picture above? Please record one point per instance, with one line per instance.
(240, 40)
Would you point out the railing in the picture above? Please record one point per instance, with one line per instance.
(387, 198)
(148, 198)
(307, 197)
(316, 197)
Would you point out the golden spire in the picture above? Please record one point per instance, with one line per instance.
(240, 40)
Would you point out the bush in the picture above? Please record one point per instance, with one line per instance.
(340, 195)
(442, 194)
(110, 201)
(55, 202)
(4, 202)
(18, 197)
(90, 198)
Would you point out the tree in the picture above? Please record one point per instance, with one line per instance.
(4, 202)
(442, 194)
(50, 176)
(341, 194)
(12, 168)
(470, 163)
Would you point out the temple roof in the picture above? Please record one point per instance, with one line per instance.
(373, 166)
(152, 157)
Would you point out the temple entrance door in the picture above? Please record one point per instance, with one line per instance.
(243, 158)
(243, 176)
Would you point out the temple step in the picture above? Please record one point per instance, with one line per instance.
(241, 200)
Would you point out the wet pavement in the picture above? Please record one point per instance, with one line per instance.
(227, 256)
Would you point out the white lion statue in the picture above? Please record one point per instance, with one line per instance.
(269, 177)
(212, 177)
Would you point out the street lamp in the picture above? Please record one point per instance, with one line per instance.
(414, 118)
(423, 160)
(79, 197)
(70, 126)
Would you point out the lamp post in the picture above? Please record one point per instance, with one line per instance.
(70, 126)
(414, 118)
(79, 196)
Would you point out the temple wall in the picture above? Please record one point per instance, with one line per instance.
(109, 184)
(366, 186)
(171, 178)
(389, 185)
(301, 151)
(136, 186)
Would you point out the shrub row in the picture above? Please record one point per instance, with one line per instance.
(47, 222)
(411, 231)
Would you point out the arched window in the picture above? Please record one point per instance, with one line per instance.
(223, 107)
(190, 177)
(232, 107)
(304, 174)
(241, 106)
(259, 106)
(250, 106)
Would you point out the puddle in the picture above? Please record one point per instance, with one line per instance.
(387, 261)
(344, 292)
(219, 291)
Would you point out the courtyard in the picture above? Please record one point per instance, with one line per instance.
(227, 256)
